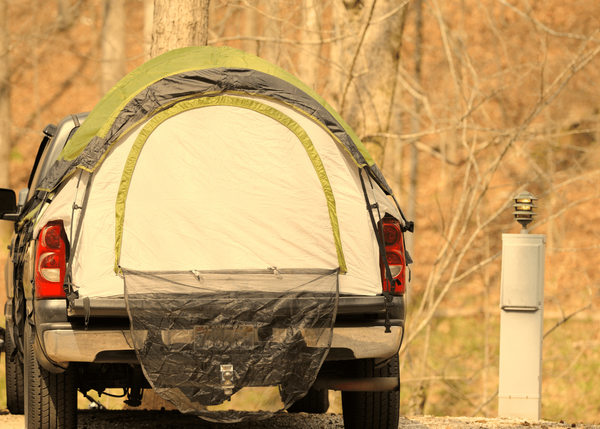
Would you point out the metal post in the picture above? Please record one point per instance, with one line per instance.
(521, 326)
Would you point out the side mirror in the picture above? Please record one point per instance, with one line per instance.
(8, 205)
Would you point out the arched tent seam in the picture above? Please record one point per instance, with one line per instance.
(245, 103)
(153, 86)
(208, 94)
(199, 58)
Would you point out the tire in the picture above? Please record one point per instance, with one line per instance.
(51, 399)
(315, 402)
(372, 410)
(15, 394)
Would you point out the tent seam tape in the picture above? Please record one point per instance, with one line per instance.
(263, 67)
(212, 94)
(261, 108)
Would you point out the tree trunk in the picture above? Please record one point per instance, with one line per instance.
(5, 145)
(411, 210)
(393, 148)
(65, 15)
(113, 44)
(271, 49)
(148, 24)
(308, 68)
(251, 19)
(371, 62)
(340, 27)
(4, 95)
(179, 24)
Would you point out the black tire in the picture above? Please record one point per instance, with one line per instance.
(51, 399)
(315, 402)
(15, 394)
(372, 410)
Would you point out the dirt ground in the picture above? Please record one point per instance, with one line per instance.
(133, 419)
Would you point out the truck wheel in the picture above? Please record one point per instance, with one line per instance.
(372, 410)
(315, 402)
(15, 399)
(51, 399)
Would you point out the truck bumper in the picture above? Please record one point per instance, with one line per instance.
(73, 340)
(68, 345)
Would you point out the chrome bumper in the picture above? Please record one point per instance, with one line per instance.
(65, 339)
(64, 345)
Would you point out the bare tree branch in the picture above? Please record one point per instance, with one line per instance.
(355, 57)
(563, 210)
(575, 249)
(390, 13)
(566, 319)
(216, 40)
(546, 28)
(486, 403)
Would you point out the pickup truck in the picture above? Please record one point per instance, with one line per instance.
(186, 247)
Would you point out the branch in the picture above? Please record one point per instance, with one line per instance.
(482, 406)
(421, 146)
(570, 316)
(391, 13)
(58, 94)
(545, 137)
(476, 267)
(416, 90)
(563, 210)
(444, 33)
(433, 378)
(448, 252)
(574, 66)
(277, 40)
(360, 42)
(568, 182)
(544, 27)
(576, 249)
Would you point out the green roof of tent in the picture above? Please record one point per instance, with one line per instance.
(191, 73)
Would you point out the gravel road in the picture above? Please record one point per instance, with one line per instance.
(133, 419)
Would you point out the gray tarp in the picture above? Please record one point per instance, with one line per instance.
(273, 326)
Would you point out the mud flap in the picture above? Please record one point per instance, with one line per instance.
(203, 336)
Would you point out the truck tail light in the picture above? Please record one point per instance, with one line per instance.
(50, 261)
(394, 249)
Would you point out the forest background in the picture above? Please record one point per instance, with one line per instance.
(463, 104)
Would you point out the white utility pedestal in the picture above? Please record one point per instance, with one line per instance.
(521, 326)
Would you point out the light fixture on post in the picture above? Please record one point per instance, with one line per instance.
(524, 209)
(521, 317)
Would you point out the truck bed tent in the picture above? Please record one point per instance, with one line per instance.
(225, 155)
(225, 201)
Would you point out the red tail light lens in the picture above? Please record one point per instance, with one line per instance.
(50, 261)
(50, 236)
(390, 234)
(394, 249)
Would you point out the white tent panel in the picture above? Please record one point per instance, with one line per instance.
(225, 188)
(358, 238)
(71, 191)
(94, 274)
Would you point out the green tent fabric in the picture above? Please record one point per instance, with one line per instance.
(191, 73)
(205, 173)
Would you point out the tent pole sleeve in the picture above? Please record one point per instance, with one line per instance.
(261, 108)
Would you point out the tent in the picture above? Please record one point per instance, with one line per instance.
(225, 155)
(229, 204)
